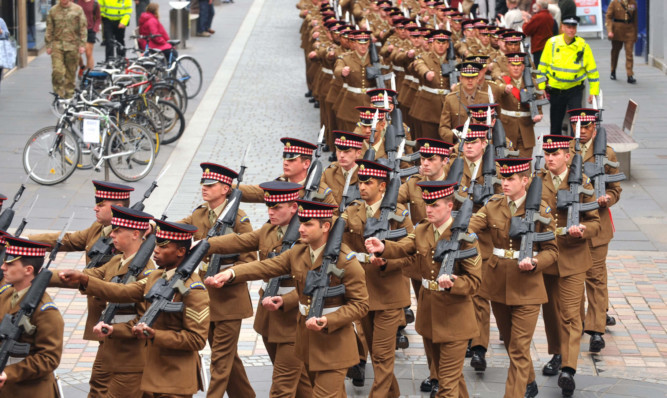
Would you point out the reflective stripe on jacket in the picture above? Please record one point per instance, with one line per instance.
(567, 65)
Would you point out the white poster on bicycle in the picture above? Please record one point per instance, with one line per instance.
(91, 131)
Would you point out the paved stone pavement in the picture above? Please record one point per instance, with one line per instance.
(262, 100)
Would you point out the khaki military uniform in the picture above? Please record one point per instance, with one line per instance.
(430, 97)
(334, 178)
(255, 194)
(356, 81)
(277, 328)
(229, 306)
(66, 32)
(515, 295)
(327, 354)
(173, 354)
(33, 375)
(596, 276)
(621, 20)
(564, 280)
(517, 121)
(455, 111)
(388, 292)
(408, 88)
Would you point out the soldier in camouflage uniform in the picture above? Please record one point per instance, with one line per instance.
(66, 32)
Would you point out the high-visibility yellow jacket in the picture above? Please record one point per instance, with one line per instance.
(116, 10)
(567, 65)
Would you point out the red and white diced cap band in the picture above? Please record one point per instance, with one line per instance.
(23, 247)
(209, 175)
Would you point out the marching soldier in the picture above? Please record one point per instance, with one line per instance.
(122, 357)
(621, 21)
(275, 319)
(430, 98)
(499, 66)
(174, 341)
(596, 276)
(366, 115)
(107, 194)
(387, 99)
(515, 115)
(32, 376)
(326, 344)
(388, 291)
(297, 157)
(565, 279)
(348, 149)
(229, 306)
(444, 307)
(403, 58)
(514, 286)
(455, 110)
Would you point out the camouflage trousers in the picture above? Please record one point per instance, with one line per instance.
(63, 75)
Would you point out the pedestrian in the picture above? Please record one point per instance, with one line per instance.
(115, 18)
(567, 60)
(91, 8)
(622, 31)
(554, 10)
(540, 27)
(150, 25)
(513, 17)
(65, 38)
(206, 13)
(140, 8)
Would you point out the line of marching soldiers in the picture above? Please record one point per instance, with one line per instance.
(337, 257)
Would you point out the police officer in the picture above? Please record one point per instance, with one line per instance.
(115, 18)
(621, 24)
(567, 60)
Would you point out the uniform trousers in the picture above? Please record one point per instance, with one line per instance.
(517, 324)
(560, 101)
(428, 347)
(429, 130)
(380, 331)
(99, 379)
(125, 385)
(450, 357)
(362, 347)
(596, 291)
(290, 378)
(483, 315)
(616, 46)
(112, 31)
(328, 383)
(223, 336)
(565, 316)
(63, 73)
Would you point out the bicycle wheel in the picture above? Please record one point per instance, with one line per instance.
(149, 115)
(132, 152)
(174, 122)
(50, 157)
(169, 93)
(189, 72)
(180, 86)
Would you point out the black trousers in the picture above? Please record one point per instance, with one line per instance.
(561, 101)
(112, 31)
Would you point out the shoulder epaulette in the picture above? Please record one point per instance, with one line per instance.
(197, 285)
(199, 207)
(497, 197)
(48, 306)
(479, 214)
(5, 287)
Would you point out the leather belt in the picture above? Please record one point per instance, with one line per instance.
(327, 71)
(13, 360)
(437, 91)
(357, 90)
(411, 78)
(622, 20)
(123, 318)
(398, 68)
(431, 285)
(281, 290)
(513, 254)
(304, 309)
(514, 113)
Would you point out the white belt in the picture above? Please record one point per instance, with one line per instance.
(502, 253)
(357, 90)
(431, 285)
(123, 318)
(304, 309)
(327, 71)
(514, 113)
(398, 68)
(438, 91)
(411, 78)
(281, 290)
(13, 360)
(383, 66)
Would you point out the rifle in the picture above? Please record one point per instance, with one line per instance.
(348, 196)
(226, 226)
(500, 141)
(370, 152)
(317, 281)
(162, 292)
(529, 95)
(482, 193)
(448, 251)
(570, 199)
(379, 227)
(315, 172)
(13, 326)
(140, 204)
(456, 170)
(525, 227)
(8, 214)
(135, 268)
(449, 69)
(24, 220)
(101, 252)
(289, 239)
(374, 71)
